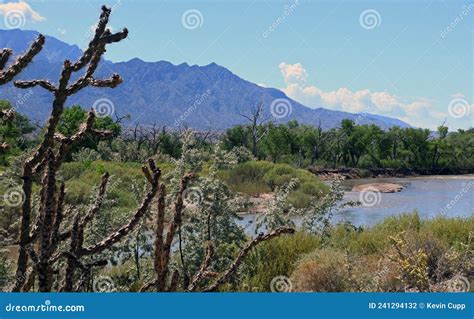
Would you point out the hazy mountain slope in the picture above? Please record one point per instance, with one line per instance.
(163, 93)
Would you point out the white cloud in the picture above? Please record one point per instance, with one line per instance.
(20, 7)
(418, 112)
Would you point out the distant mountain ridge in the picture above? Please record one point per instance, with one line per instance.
(200, 97)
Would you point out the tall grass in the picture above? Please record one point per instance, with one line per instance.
(355, 259)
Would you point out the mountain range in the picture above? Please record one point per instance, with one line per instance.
(162, 93)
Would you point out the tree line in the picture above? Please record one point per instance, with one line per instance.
(348, 145)
(357, 146)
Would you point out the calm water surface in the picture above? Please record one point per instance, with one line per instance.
(429, 195)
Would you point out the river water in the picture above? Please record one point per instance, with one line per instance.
(431, 196)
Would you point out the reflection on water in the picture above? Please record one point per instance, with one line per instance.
(431, 196)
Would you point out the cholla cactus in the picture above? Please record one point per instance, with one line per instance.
(40, 241)
(200, 227)
(7, 75)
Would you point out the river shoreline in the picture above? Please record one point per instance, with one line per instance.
(358, 173)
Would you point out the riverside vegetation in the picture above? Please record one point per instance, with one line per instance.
(70, 220)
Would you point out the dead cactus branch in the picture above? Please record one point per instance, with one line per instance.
(226, 275)
(21, 62)
(46, 233)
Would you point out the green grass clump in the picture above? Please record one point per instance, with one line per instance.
(257, 177)
(82, 177)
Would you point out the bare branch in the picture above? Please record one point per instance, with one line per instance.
(4, 56)
(125, 229)
(201, 274)
(45, 84)
(21, 63)
(235, 265)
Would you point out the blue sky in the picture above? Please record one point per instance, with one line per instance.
(407, 59)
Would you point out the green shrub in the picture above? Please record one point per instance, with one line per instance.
(256, 177)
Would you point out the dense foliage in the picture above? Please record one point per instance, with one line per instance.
(232, 170)
(362, 146)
